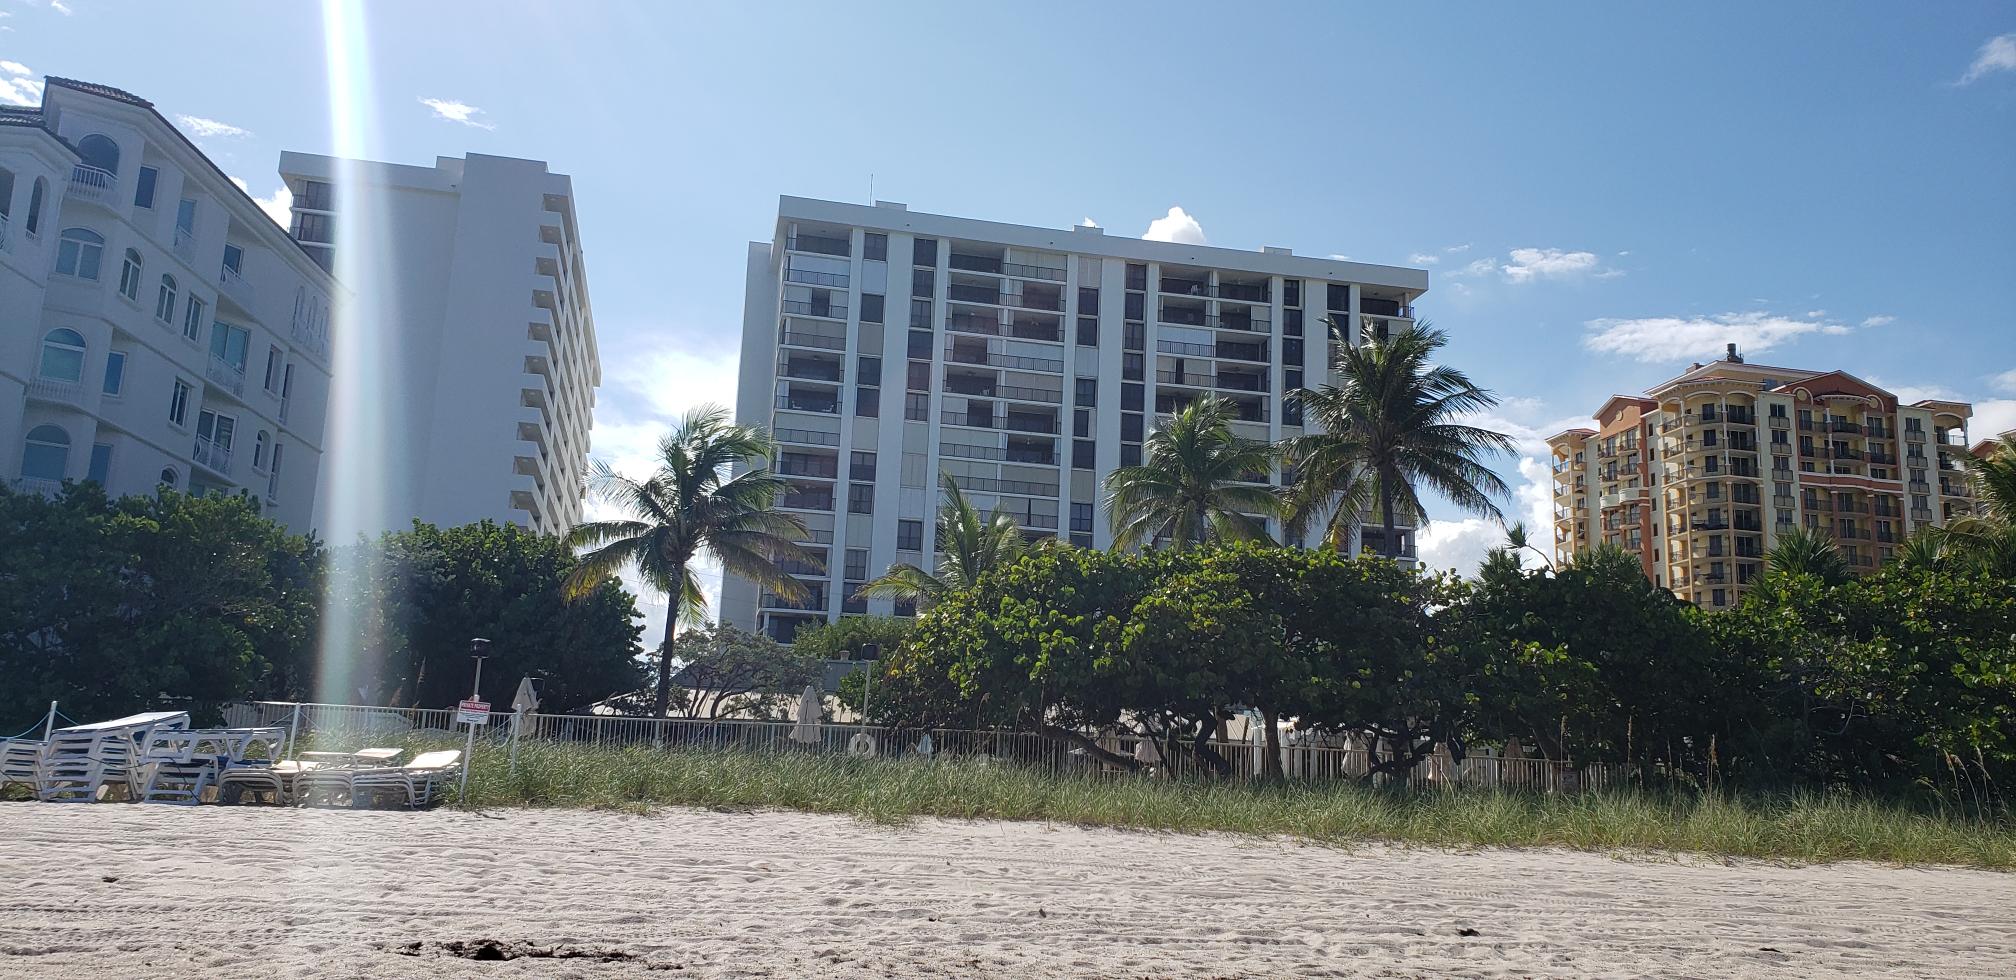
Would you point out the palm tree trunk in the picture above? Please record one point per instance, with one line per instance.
(1390, 545)
(1271, 766)
(661, 701)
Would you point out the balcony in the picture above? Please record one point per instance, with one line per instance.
(826, 403)
(1780, 422)
(808, 277)
(826, 309)
(807, 499)
(1248, 323)
(818, 244)
(1914, 435)
(231, 284)
(92, 185)
(1843, 425)
(800, 464)
(1922, 515)
(806, 437)
(805, 369)
(39, 486)
(226, 375)
(212, 455)
(61, 392)
(800, 338)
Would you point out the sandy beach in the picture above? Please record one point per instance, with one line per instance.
(147, 891)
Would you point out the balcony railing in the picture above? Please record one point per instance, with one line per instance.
(799, 338)
(981, 484)
(829, 405)
(91, 184)
(812, 371)
(1015, 361)
(1040, 457)
(822, 468)
(226, 375)
(67, 392)
(234, 285)
(216, 457)
(807, 500)
(807, 437)
(832, 311)
(808, 277)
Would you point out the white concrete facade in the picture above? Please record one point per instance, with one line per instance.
(491, 394)
(884, 346)
(156, 326)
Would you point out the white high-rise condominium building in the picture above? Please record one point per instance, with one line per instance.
(884, 346)
(490, 394)
(156, 327)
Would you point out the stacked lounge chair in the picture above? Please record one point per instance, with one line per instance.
(20, 761)
(179, 766)
(417, 783)
(79, 763)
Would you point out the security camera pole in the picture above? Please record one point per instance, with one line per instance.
(479, 648)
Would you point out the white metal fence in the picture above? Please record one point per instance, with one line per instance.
(354, 725)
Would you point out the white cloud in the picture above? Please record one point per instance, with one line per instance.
(19, 86)
(60, 7)
(277, 205)
(1478, 267)
(208, 128)
(1338, 258)
(461, 112)
(1453, 249)
(1623, 253)
(1669, 338)
(1176, 226)
(1992, 418)
(1461, 544)
(1879, 320)
(1088, 223)
(1528, 264)
(2006, 381)
(1908, 394)
(1423, 258)
(1999, 54)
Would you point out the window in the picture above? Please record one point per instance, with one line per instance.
(857, 564)
(1137, 276)
(259, 444)
(143, 190)
(861, 466)
(215, 429)
(99, 151)
(920, 313)
(1131, 397)
(129, 276)
(1291, 378)
(1083, 456)
(1291, 292)
(871, 308)
(1088, 299)
(924, 251)
(868, 402)
(1086, 391)
(193, 317)
(860, 498)
(35, 196)
(178, 404)
(917, 407)
(1130, 427)
(1338, 297)
(1130, 454)
(919, 376)
(1291, 323)
(1081, 517)
(62, 355)
(228, 343)
(115, 373)
(234, 258)
(910, 535)
(1137, 307)
(868, 370)
(875, 245)
(185, 220)
(79, 253)
(1130, 366)
(1081, 423)
(164, 300)
(1291, 351)
(273, 473)
(169, 477)
(101, 464)
(47, 454)
(923, 282)
(920, 344)
(1134, 336)
(273, 362)
(1088, 331)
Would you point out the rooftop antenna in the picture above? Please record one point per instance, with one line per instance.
(871, 190)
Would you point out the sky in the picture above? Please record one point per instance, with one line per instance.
(1601, 194)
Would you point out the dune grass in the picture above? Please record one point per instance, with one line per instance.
(1798, 827)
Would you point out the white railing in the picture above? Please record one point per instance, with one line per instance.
(226, 375)
(38, 485)
(212, 455)
(185, 243)
(235, 286)
(273, 488)
(88, 183)
(68, 392)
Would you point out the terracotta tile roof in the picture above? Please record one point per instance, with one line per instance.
(20, 115)
(102, 91)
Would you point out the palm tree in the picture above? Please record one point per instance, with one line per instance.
(693, 505)
(1194, 484)
(972, 542)
(1802, 551)
(1986, 540)
(1391, 422)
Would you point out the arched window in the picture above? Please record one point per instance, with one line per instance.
(129, 276)
(63, 355)
(6, 192)
(259, 449)
(164, 302)
(35, 205)
(99, 151)
(80, 252)
(169, 477)
(47, 454)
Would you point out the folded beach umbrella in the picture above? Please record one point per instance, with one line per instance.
(809, 709)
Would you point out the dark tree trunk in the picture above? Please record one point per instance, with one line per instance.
(1271, 766)
(1091, 747)
(661, 701)
(1201, 748)
(1390, 545)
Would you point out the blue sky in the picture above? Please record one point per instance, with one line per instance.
(1602, 194)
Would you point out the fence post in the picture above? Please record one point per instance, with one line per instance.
(49, 726)
(294, 733)
(517, 721)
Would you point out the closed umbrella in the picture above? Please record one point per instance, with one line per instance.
(809, 709)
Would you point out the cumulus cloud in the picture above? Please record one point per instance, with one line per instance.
(2006, 381)
(1917, 393)
(1672, 338)
(1992, 418)
(1879, 320)
(460, 112)
(1453, 249)
(18, 84)
(1529, 264)
(1088, 223)
(1998, 54)
(1176, 226)
(1423, 258)
(277, 205)
(1461, 544)
(210, 128)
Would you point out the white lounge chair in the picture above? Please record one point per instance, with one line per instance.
(277, 781)
(417, 782)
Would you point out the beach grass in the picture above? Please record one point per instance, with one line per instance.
(1802, 827)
